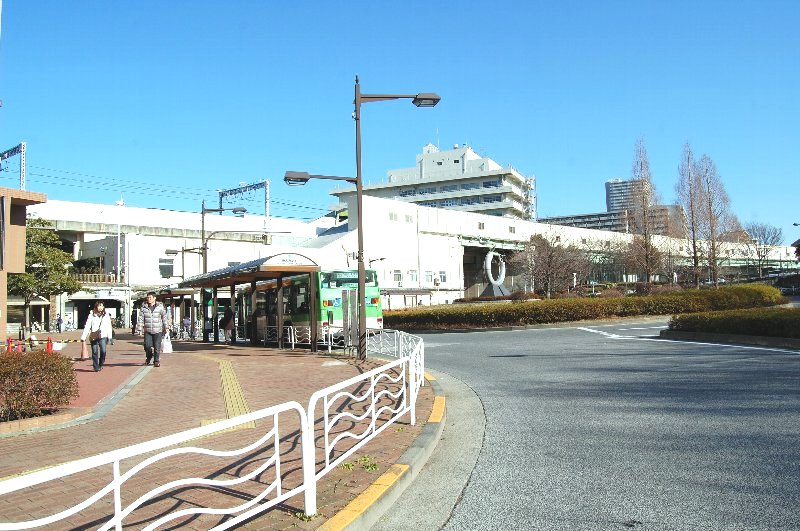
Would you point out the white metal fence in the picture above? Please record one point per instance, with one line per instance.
(280, 461)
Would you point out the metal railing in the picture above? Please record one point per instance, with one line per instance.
(264, 472)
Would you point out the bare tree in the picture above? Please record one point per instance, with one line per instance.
(548, 262)
(689, 192)
(762, 238)
(642, 215)
(642, 256)
(715, 216)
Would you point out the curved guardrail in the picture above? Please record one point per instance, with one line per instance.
(279, 462)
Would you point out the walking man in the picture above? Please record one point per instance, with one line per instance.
(152, 323)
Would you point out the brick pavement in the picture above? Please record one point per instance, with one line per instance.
(186, 392)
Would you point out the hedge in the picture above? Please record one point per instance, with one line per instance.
(561, 310)
(772, 322)
(34, 383)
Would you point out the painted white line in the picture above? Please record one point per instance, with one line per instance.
(723, 345)
(643, 328)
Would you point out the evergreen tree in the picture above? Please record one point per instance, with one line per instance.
(46, 267)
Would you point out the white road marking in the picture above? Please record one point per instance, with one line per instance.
(723, 345)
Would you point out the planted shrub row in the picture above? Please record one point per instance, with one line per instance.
(771, 322)
(560, 310)
(34, 383)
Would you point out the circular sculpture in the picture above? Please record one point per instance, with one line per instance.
(487, 267)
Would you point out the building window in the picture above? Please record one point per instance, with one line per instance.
(442, 277)
(481, 225)
(392, 216)
(429, 277)
(492, 184)
(407, 193)
(438, 162)
(470, 186)
(412, 275)
(409, 218)
(447, 202)
(456, 161)
(512, 230)
(398, 275)
(166, 267)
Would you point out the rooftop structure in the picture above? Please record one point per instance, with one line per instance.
(458, 179)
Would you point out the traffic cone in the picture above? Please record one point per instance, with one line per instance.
(49, 345)
(9, 347)
(19, 346)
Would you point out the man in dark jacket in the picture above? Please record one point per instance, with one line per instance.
(153, 324)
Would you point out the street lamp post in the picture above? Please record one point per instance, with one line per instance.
(424, 99)
(183, 251)
(203, 242)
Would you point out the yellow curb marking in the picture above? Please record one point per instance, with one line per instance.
(232, 394)
(430, 377)
(437, 412)
(363, 501)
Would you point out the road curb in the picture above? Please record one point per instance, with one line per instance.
(365, 510)
(735, 339)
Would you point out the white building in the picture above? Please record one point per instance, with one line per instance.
(422, 255)
(458, 179)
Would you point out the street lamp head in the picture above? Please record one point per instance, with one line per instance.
(171, 252)
(239, 210)
(426, 99)
(296, 178)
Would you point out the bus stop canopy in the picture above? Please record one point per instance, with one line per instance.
(278, 265)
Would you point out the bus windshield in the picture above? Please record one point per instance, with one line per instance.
(346, 279)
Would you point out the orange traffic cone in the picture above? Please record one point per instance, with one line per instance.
(19, 347)
(9, 345)
(49, 345)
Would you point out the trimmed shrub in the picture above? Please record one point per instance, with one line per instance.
(34, 383)
(560, 310)
(613, 292)
(771, 322)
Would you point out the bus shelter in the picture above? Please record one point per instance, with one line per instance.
(272, 268)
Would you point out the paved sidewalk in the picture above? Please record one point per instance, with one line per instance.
(128, 403)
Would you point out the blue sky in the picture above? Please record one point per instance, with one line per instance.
(163, 103)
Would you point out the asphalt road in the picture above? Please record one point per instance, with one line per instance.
(605, 426)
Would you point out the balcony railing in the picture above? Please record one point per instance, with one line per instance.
(95, 278)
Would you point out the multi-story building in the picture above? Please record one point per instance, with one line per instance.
(665, 220)
(458, 179)
(623, 195)
(622, 200)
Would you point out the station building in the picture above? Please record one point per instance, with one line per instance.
(421, 255)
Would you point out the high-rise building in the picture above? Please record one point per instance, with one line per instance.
(623, 200)
(622, 195)
(458, 179)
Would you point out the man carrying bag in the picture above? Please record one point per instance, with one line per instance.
(153, 324)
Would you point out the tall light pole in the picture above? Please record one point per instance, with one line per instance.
(203, 242)
(183, 251)
(425, 99)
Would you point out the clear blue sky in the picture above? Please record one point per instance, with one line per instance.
(163, 103)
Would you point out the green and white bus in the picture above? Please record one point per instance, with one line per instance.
(297, 301)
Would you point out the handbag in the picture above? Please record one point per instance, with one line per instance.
(94, 336)
(166, 344)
